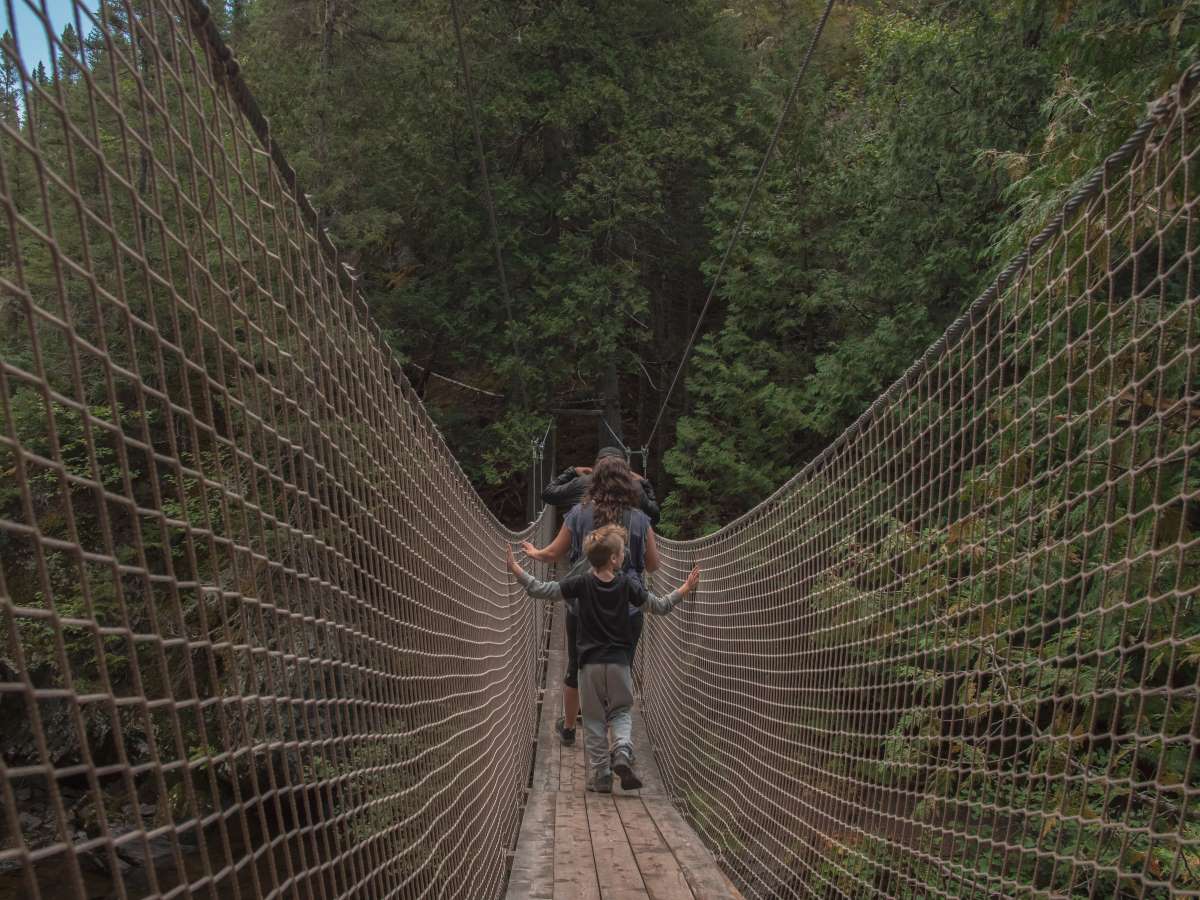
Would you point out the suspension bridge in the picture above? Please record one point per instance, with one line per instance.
(259, 639)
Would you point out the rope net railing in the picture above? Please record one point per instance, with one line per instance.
(256, 635)
(957, 655)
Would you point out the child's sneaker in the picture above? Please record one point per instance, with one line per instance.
(601, 784)
(622, 766)
(566, 736)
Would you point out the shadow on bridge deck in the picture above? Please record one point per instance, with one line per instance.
(579, 846)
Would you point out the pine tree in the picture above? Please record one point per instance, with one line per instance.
(68, 55)
(10, 83)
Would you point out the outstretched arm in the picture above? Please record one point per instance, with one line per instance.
(652, 560)
(541, 590)
(660, 606)
(552, 552)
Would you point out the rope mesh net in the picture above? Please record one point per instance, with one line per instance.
(256, 634)
(956, 655)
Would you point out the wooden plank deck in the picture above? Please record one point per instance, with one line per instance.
(624, 846)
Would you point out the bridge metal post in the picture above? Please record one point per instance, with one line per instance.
(535, 474)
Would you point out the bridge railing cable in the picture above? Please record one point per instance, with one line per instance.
(736, 233)
(257, 636)
(957, 655)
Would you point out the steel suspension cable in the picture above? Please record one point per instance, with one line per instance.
(489, 199)
(737, 230)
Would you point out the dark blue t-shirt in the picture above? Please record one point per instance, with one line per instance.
(605, 633)
(581, 521)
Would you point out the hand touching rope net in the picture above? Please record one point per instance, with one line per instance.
(258, 640)
(957, 655)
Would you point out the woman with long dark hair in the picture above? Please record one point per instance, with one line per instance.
(612, 498)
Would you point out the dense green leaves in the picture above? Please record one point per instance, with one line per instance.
(929, 141)
(939, 139)
(603, 123)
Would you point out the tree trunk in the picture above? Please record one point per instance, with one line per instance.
(611, 434)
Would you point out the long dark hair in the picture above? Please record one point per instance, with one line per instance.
(612, 490)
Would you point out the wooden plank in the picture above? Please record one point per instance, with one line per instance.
(574, 866)
(548, 750)
(647, 766)
(661, 874)
(546, 774)
(640, 829)
(705, 877)
(532, 876)
(573, 778)
(616, 869)
(579, 846)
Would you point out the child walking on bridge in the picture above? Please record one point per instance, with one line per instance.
(602, 599)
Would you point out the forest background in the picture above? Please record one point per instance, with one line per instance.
(930, 139)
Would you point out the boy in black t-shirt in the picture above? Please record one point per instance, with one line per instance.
(602, 599)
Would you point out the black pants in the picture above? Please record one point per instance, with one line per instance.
(571, 678)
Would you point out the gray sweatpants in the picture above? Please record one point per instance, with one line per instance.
(606, 695)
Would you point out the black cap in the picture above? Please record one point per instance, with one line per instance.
(610, 451)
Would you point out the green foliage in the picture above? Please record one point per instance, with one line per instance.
(928, 147)
(1028, 629)
(1112, 57)
(603, 124)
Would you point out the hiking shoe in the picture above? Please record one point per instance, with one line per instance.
(566, 736)
(622, 766)
(601, 784)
